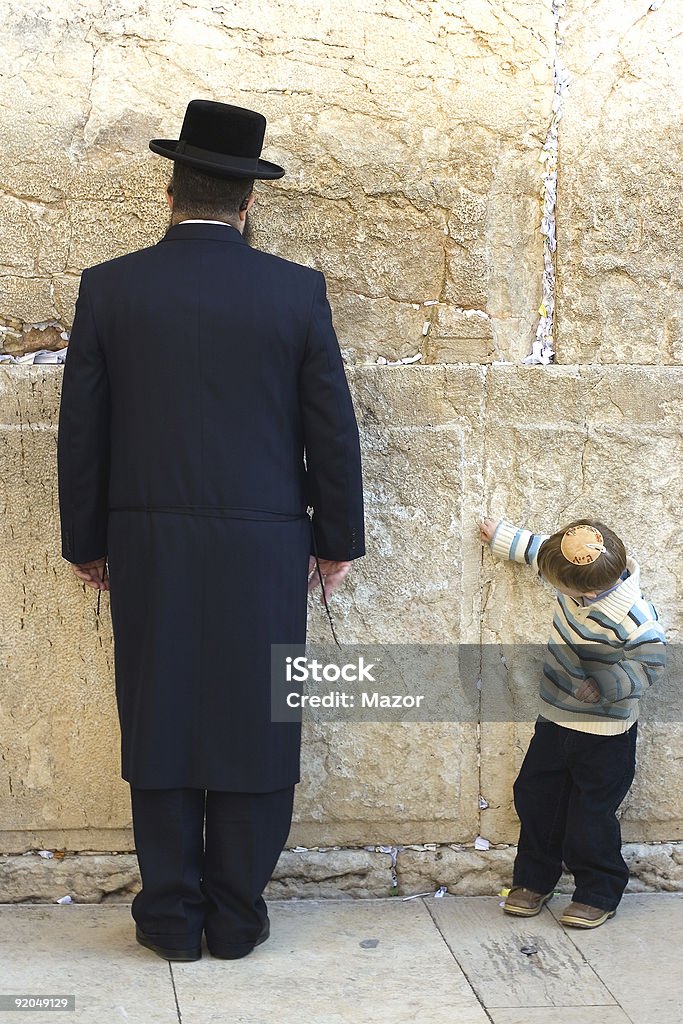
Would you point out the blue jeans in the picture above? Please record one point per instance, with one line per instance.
(566, 795)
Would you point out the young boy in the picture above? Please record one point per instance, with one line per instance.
(605, 649)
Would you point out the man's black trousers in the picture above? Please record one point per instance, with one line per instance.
(566, 795)
(205, 858)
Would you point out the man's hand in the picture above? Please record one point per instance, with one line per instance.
(588, 692)
(333, 573)
(487, 528)
(93, 574)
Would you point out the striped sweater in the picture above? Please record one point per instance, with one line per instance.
(615, 639)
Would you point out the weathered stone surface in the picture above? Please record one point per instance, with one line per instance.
(460, 336)
(563, 440)
(657, 868)
(326, 873)
(503, 745)
(619, 250)
(30, 300)
(115, 878)
(320, 874)
(468, 872)
(93, 951)
(387, 784)
(422, 436)
(87, 878)
(35, 338)
(74, 840)
(464, 872)
(410, 138)
(634, 973)
(58, 713)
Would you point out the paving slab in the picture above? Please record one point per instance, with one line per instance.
(335, 963)
(559, 1015)
(488, 946)
(86, 951)
(638, 956)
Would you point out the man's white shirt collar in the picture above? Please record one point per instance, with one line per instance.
(225, 223)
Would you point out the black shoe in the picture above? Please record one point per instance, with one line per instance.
(185, 955)
(237, 952)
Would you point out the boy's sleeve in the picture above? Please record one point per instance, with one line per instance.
(643, 665)
(517, 544)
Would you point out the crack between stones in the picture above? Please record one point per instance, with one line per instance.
(88, 99)
(543, 348)
(175, 993)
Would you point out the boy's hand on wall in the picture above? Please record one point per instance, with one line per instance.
(487, 528)
(588, 692)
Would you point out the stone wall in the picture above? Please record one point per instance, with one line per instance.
(411, 133)
(620, 275)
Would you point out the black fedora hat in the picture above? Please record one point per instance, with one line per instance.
(221, 140)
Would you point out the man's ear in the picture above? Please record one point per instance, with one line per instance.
(169, 195)
(247, 206)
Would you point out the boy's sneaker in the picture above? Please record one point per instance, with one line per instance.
(581, 915)
(525, 902)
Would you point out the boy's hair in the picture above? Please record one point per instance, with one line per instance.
(593, 576)
(203, 196)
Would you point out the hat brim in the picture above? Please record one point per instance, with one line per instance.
(264, 168)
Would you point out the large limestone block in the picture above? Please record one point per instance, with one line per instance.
(464, 872)
(322, 874)
(387, 783)
(410, 137)
(422, 432)
(57, 713)
(87, 878)
(620, 152)
(22, 840)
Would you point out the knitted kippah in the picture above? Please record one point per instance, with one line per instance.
(582, 544)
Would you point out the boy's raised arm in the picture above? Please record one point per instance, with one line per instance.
(516, 544)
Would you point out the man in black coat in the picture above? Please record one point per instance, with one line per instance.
(204, 412)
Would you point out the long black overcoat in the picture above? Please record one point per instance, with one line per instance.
(198, 374)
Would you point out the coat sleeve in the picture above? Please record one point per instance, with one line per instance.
(333, 461)
(83, 452)
(517, 544)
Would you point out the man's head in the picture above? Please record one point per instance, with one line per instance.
(193, 195)
(215, 162)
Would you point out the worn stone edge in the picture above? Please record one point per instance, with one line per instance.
(326, 873)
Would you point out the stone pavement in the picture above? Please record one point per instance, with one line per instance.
(455, 960)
